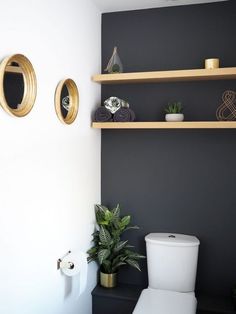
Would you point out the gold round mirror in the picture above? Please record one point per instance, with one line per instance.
(18, 85)
(67, 101)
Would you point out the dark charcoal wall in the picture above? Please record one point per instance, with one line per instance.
(175, 180)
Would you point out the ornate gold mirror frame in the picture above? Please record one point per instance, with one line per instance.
(25, 68)
(73, 101)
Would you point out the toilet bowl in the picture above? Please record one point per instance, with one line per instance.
(153, 301)
(172, 265)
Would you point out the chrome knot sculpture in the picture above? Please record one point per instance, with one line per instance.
(66, 103)
(113, 104)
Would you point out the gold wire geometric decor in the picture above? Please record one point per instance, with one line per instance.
(227, 110)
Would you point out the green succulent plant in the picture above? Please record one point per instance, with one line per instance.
(115, 68)
(175, 107)
(109, 250)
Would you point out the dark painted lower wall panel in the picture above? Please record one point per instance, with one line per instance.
(181, 182)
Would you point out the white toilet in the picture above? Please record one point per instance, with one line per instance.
(172, 265)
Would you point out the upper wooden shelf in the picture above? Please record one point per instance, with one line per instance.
(167, 76)
(166, 125)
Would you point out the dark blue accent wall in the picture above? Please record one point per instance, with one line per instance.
(175, 180)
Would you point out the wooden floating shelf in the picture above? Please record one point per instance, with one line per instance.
(167, 76)
(166, 125)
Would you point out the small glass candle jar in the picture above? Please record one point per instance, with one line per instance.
(212, 63)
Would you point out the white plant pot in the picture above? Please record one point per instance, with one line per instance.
(174, 117)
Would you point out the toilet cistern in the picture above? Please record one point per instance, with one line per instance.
(172, 266)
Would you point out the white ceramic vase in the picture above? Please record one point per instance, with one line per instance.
(174, 117)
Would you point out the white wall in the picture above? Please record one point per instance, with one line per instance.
(49, 172)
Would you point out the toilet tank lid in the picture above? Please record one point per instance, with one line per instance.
(172, 239)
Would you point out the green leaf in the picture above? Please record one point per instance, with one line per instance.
(175, 107)
(104, 223)
(108, 215)
(106, 265)
(123, 258)
(100, 208)
(91, 259)
(116, 224)
(116, 211)
(116, 234)
(133, 263)
(118, 265)
(120, 245)
(129, 253)
(125, 221)
(134, 255)
(132, 227)
(129, 246)
(104, 236)
(102, 255)
(99, 216)
(115, 68)
(116, 259)
(93, 250)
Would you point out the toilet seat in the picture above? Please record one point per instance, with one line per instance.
(154, 301)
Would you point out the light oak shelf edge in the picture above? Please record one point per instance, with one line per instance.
(167, 76)
(166, 125)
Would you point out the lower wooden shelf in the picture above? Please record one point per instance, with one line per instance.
(166, 125)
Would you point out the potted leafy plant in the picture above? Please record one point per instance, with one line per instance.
(174, 112)
(109, 250)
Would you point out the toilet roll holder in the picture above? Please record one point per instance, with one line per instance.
(65, 264)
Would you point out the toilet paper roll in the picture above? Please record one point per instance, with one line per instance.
(80, 267)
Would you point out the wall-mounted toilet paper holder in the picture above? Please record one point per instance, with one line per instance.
(64, 264)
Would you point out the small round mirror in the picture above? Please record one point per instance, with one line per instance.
(67, 101)
(17, 85)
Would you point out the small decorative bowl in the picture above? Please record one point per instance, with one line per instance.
(174, 117)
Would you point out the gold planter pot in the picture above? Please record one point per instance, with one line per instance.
(108, 280)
